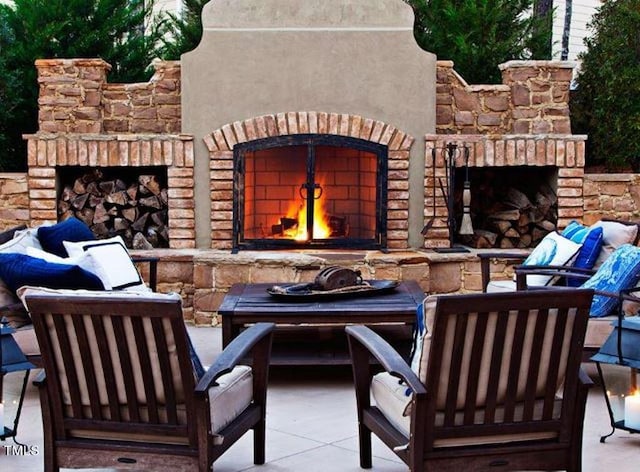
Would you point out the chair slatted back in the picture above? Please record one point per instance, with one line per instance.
(505, 364)
(116, 366)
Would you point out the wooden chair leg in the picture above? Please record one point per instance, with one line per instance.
(364, 437)
(50, 455)
(259, 442)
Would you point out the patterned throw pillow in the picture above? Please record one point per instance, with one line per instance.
(619, 272)
(554, 250)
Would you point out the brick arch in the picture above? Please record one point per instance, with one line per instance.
(220, 144)
(282, 124)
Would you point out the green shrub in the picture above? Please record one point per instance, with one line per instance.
(478, 35)
(121, 32)
(606, 104)
(183, 31)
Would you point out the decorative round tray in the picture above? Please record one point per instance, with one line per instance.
(306, 292)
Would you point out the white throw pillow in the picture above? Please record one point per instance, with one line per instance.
(113, 264)
(22, 240)
(614, 235)
(555, 250)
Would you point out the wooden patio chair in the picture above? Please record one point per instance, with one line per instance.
(498, 386)
(118, 388)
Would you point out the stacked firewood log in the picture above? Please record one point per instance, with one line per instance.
(513, 219)
(136, 210)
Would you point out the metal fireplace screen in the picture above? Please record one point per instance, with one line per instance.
(320, 191)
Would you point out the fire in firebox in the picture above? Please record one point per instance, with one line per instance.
(294, 225)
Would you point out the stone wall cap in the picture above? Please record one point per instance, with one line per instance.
(94, 62)
(165, 64)
(434, 257)
(257, 257)
(554, 64)
(489, 88)
(619, 177)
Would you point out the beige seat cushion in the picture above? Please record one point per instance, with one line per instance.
(26, 339)
(391, 399)
(230, 397)
(497, 286)
(598, 330)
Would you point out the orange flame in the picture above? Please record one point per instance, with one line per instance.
(321, 229)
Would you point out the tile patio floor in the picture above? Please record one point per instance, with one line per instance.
(311, 426)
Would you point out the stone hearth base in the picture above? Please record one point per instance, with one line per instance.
(203, 277)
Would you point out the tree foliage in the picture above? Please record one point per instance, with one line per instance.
(184, 30)
(478, 35)
(606, 104)
(121, 32)
(10, 107)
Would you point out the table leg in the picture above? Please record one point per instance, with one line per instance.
(227, 331)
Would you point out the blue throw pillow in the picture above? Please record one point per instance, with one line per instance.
(571, 229)
(589, 252)
(71, 229)
(17, 270)
(620, 271)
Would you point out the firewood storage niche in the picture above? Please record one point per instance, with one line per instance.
(131, 202)
(310, 191)
(511, 207)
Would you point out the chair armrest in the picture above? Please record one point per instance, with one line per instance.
(258, 335)
(629, 294)
(388, 357)
(11, 307)
(556, 268)
(485, 261)
(153, 268)
(553, 271)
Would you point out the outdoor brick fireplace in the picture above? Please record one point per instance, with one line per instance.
(370, 100)
(362, 81)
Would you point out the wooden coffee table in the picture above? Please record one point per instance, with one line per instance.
(312, 332)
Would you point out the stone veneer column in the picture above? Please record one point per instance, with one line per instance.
(470, 109)
(539, 95)
(71, 94)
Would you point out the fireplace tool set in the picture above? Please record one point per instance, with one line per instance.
(450, 153)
